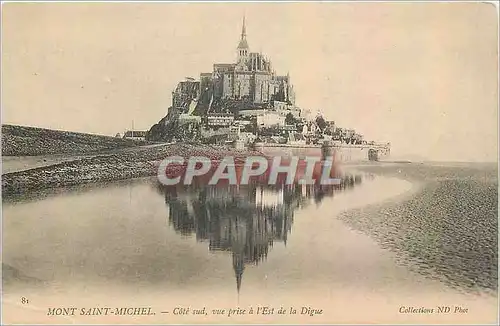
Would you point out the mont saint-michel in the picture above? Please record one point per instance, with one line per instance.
(248, 102)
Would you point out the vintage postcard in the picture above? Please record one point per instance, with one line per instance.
(249, 163)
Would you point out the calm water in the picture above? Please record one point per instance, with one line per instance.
(236, 245)
(139, 231)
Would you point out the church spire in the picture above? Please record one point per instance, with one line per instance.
(243, 42)
(238, 267)
(243, 29)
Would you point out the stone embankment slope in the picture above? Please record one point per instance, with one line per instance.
(30, 141)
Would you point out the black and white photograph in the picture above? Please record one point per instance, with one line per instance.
(249, 163)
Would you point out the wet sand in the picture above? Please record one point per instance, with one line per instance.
(447, 229)
(12, 164)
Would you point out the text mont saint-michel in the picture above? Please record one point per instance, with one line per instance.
(101, 311)
(148, 311)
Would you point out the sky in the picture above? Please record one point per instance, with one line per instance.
(423, 76)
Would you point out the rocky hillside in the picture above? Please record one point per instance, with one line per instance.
(169, 129)
(29, 141)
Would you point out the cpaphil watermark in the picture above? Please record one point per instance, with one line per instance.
(176, 170)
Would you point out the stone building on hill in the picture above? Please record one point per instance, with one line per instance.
(250, 77)
(249, 82)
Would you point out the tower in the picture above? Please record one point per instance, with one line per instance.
(238, 267)
(243, 45)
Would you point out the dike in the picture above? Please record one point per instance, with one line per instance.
(141, 162)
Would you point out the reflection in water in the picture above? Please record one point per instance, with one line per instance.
(243, 220)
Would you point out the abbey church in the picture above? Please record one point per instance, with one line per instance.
(249, 83)
(251, 77)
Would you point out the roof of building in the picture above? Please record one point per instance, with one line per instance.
(243, 44)
(135, 133)
(220, 115)
(228, 65)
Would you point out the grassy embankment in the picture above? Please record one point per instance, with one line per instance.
(30, 141)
